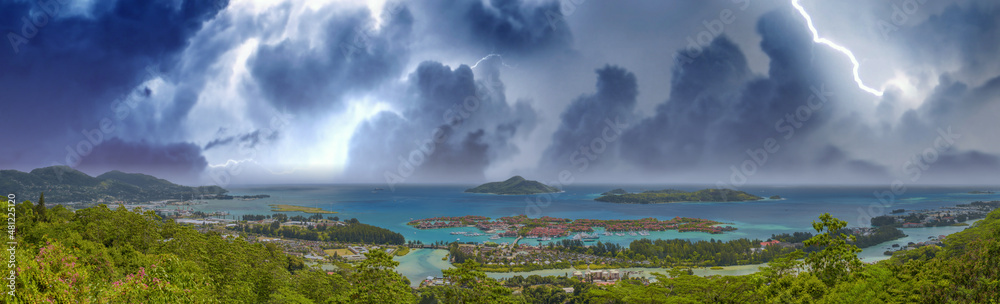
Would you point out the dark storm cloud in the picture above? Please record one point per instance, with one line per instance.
(587, 118)
(953, 100)
(180, 162)
(352, 57)
(834, 157)
(968, 167)
(64, 70)
(509, 27)
(453, 126)
(967, 35)
(248, 140)
(718, 109)
(960, 45)
(952, 103)
(704, 90)
(970, 164)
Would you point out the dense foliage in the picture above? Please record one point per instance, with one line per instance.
(866, 239)
(100, 255)
(351, 232)
(877, 236)
(671, 196)
(964, 270)
(706, 253)
(514, 186)
(615, 192)
(65, 184)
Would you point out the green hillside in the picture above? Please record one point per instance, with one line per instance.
(673, 196)
(65, 184)
(100, 255)
(514, 186)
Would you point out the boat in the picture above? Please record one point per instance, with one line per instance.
(620, 234)
(608, 233)
(495, 237)
(459, 232)
(544, 239)
(632, 233)
(474, 234)
(589, 240)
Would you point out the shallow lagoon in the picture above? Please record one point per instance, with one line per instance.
(393, 209)
(796, 211)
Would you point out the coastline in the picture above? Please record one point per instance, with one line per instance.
(420, 263)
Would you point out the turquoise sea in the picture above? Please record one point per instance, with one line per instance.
(795, 211)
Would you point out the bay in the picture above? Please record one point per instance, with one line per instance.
(795, 211)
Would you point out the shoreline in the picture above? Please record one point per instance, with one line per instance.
(415, 266)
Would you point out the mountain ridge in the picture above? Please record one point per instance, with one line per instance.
(65, 184)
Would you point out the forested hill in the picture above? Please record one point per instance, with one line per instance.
(514, 186)
(672, 196)
(100, 255)
(65, 184)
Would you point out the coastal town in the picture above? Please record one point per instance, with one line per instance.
(945, 216)
(546, 228)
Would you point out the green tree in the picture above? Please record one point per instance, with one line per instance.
(838, 258)
(40, 209)
(471, 285)
(376, 281)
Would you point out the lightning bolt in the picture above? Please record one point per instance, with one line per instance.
(491, 56)
(845, 51)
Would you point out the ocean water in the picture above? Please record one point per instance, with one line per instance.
(796, 211)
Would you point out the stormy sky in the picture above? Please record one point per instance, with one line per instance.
(728, 92)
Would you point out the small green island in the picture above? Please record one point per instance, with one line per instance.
(775, 197)
(675, 196)
(293, 208)
(615, 192)
(514, 186)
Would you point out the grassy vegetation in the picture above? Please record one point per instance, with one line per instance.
(402, 250)
(293, 208)
(340, 252)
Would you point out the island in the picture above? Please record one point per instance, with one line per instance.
(674, 196)
(514, 186)
(775, 197)
(549, 227)
(615, 192)
(293, 208)
(981, 192)
(948, 216)
(240, 197)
